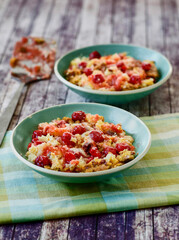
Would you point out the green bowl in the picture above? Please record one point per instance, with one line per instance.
(21, 136)
(117, 97)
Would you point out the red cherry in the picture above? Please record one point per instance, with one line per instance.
(110, 149)
(96, 136)
(94, 54)
(69, 156)
(117, 83)
(78, 116)
(82, 65)
(146, 66)
(37, 133)
(78, 129)
(95, 152)
(36, 141)
(42, 161)
(66, 138)
(24, 40)
(87, 71)
(135, 79)
(122, 66)
(29, 145)
(98, 78)
(121, 146)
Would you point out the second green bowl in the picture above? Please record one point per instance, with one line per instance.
(115, 97)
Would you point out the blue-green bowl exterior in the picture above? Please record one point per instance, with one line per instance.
(82, 180)
(21, 136)
(113, 99)
(141, 53)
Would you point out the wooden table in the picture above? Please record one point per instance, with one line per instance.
(74, 24)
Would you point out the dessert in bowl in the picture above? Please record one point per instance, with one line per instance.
(116, 72)
(80, 143)
(119, 156)
(149, 70)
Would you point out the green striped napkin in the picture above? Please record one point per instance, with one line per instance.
(154, 181)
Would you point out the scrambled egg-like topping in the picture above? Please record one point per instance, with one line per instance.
(117, 72)
(82, 143)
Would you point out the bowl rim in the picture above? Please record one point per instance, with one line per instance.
(91, 91)
(81, 175)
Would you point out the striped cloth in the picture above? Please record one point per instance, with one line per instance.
(154, 181)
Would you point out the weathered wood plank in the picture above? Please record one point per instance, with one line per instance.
(160, 99)
(121, 19)
(38, 28)
(139, 225)
(57, 91)
(23, 27)
(138, 37)
(83, 228)
(4, 4)
(56, 230)
(48, 29)
(34, 96)
(27, 231)
(6, 232)
(9, 19)
(104, 23)
(103, 31)
(171, 35)
(37, 91)
(42, 20)
(71, 20)
(166, 223)
(85, 37)
(88, 23)
(111, 226)
(11, 14)
(121, 22)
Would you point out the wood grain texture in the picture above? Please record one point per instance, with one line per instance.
(11, 15)
(171, 36)
(22, 27)
(27, 231)
(121, 26)
(104, 23)
(85, 37)
(111, 226)
(160, 99)
(139, 225)
(57, 91)
(56, 230)
(6, 232)
(166, 223)
(9, 19)
(138, 37)
(83, 228)
(36, 92)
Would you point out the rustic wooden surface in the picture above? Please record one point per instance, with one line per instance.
(77, 23)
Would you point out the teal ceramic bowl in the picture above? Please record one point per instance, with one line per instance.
(117, 97)
(21, 136)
